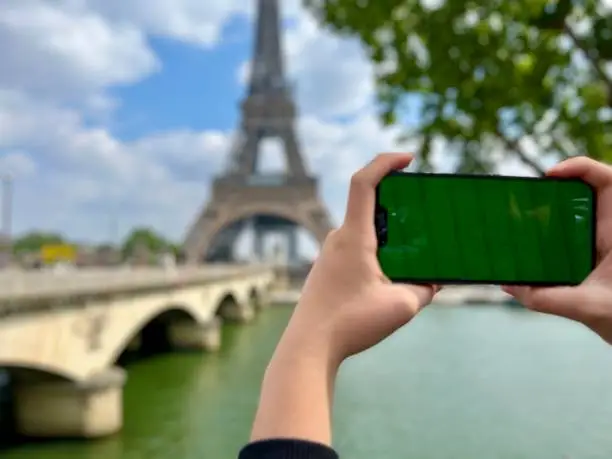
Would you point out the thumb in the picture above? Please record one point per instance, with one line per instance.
(575, 303)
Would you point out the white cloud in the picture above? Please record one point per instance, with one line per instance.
(67, 53)
(333, 76)
(70, 176)
(244, 72)
(193, 21)
(336, 150)
(16, 164)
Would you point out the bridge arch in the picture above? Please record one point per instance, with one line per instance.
(92, 340)
(226, 305)
(153, 327)
(28, 372)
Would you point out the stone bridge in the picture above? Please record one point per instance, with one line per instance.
(61, 335)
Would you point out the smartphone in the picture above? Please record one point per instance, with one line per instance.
(477, 229)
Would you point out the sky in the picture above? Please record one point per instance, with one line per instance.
(116, 114)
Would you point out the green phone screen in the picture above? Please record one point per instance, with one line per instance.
(485, 229)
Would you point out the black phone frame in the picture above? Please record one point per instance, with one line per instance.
(377, 230)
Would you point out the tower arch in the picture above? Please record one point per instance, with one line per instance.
(268, 111)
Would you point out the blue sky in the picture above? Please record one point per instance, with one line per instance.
(117, 114)
(186, 93)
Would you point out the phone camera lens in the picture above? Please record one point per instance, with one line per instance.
(381, 218)
(382, 239)
(381, 226)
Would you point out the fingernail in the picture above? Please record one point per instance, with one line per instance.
(556, 168)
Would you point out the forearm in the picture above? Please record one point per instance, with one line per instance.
(297, 393)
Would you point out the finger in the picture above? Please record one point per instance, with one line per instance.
(594, 173)
(603, 272)
(515, 291)
(568, 302)
(518, 292)
(362, 192)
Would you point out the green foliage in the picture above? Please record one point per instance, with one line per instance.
(34, 241)
(144, 237)
(176, 250)
(147, 238)
(522, 77)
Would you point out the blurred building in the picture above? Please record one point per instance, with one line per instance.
(89, 256)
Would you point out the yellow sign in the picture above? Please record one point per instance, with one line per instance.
(58, 252)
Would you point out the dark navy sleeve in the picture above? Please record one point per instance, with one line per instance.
(286, 449)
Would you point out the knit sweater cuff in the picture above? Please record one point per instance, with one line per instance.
(287, 449)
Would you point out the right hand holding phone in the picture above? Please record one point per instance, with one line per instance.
(590, 302)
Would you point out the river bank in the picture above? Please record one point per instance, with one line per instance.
(450, 296)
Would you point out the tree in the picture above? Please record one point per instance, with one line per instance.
(34, 241)
(498, 79)
(176, 250)
(147, 238)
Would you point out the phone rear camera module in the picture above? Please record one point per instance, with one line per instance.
(381, 226)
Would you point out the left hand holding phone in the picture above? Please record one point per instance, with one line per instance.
(348, 305)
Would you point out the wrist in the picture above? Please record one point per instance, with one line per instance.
(298, 347)
(288, 363)
(308, 342)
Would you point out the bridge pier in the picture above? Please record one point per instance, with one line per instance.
(66, 409)
(187, 334)
(282, 281)
(239, 312)
(260, 302)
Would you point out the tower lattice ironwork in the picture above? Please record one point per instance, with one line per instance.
(242, 196)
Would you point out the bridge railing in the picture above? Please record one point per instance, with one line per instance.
(19, 286)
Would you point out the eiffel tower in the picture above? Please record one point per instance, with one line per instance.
(242, 197)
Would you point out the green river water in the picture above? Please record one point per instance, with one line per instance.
(457, 383)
